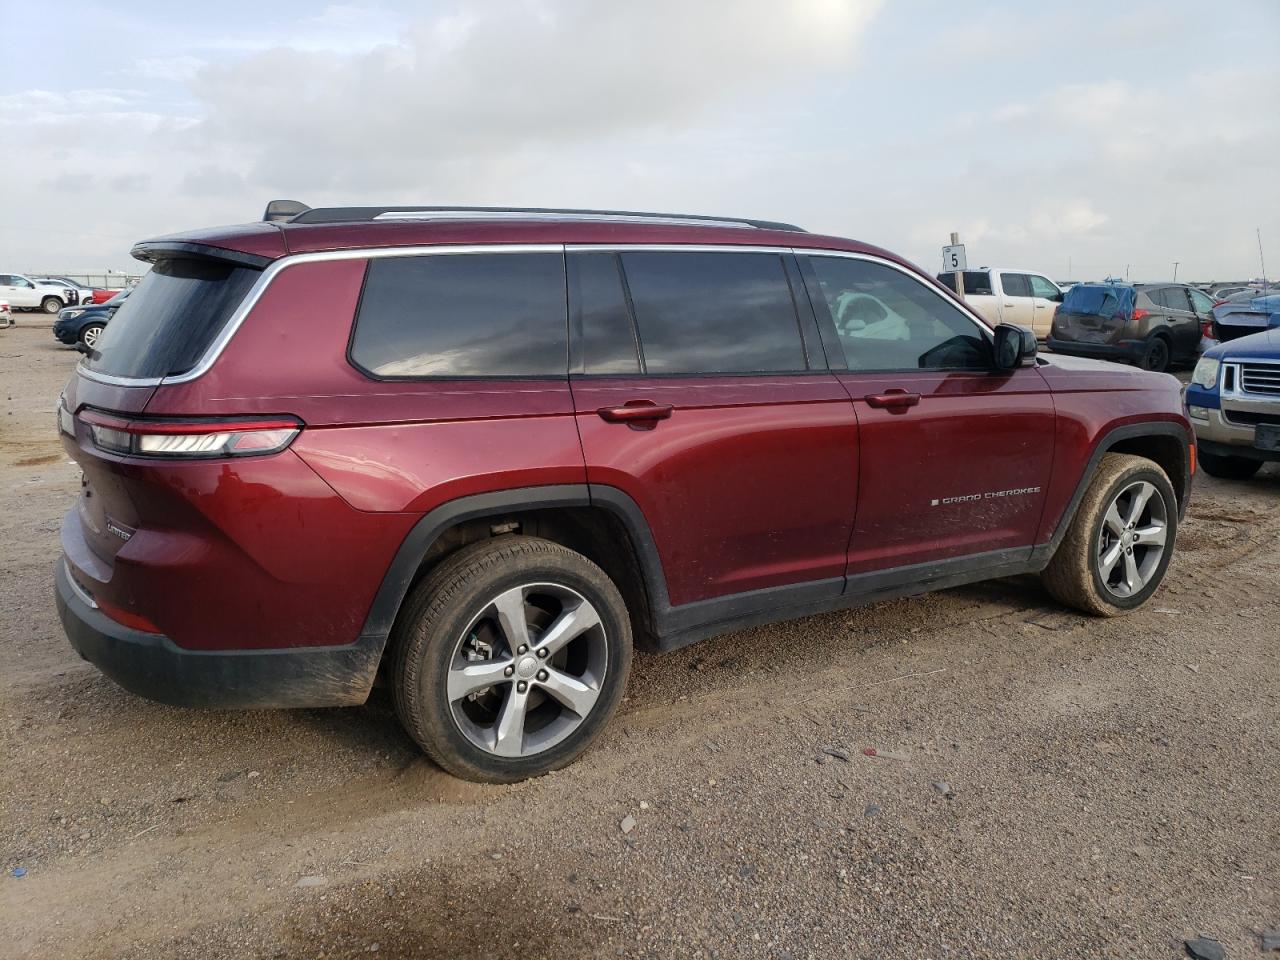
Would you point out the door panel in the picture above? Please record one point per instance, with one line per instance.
(749, 482)
(962, 471)
(1045, 297)
(954, 458)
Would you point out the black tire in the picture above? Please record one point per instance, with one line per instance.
(1228, 468)
(446, 604)
(51, 305)
(1074, 576)
(90, 334)
(1157, 355)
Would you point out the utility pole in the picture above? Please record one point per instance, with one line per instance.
(959, 274)
(1126, 273)
(1175, 270)
(1262, 260)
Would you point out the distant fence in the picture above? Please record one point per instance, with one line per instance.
(109, 281)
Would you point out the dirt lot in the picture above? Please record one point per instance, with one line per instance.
(1058, 786)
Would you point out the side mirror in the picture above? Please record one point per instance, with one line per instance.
(1013, 347)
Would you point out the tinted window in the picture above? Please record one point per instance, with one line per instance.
(1015, 284)
(976, 282)
(1040, 287)
(1175, 298)
(600, 314)
(714, 312)
(463, 315)
(887, 320)
(171, 318)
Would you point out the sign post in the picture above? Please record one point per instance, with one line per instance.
(953, 260)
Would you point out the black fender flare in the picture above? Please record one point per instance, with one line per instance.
(404, 566)
(1160, 428)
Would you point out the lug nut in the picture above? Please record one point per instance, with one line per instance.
(523, 648)
(508, 671)
(542, 653)
(522, 686)
(542, 676)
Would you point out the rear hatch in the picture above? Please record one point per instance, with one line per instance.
(164, 329)
(1234, 320)
(1094, 313)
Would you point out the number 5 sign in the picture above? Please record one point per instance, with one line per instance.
(953, 258)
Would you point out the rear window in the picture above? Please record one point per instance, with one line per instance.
(976, 282)
(1101, 300)
(714, 313)
(463, 315)
(171, 317)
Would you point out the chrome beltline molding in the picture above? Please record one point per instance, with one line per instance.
(269, 273)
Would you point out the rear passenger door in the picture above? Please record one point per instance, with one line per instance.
(1184, 326)
(1016, 305)
(954, 457)
(699, 397)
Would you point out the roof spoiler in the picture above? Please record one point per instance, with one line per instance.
(282, 210)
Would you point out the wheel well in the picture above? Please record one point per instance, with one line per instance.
(596, 533)
(1165, 450)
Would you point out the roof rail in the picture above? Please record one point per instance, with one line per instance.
(356, 214)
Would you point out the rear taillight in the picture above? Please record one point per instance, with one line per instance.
(1139, 313)
(188, 439)
(1206, 329)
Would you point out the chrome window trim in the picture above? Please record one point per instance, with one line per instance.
(270, 272)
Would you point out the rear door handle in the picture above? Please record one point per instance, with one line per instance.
(636, 411)
(895, 399)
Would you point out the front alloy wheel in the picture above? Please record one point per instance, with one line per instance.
(1131, 543)
(1117, 548)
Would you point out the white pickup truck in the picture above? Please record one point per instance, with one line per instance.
(1002, 295)
(24, 293)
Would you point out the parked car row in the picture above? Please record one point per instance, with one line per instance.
(1234, 404)
(32, 293)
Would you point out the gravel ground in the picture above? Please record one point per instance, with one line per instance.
(1049, 785)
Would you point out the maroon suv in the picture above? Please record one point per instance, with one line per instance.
(481, 452)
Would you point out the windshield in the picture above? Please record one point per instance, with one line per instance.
(1100, 299)
(171, 317)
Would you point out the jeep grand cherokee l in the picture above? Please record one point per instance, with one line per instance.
(482, 453)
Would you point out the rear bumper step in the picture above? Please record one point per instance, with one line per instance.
(153, 666)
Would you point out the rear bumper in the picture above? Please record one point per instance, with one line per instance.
(1128, 350)
(153, 666)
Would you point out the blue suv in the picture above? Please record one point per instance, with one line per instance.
(83, 324)
(1234, 402)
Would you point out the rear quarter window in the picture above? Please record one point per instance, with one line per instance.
(171, 318)
(463, 315)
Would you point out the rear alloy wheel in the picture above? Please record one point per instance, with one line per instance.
(1119, 544)
(90, 334)
(51, 304)
(509, 658)
(1156, 356)
(1228, 468)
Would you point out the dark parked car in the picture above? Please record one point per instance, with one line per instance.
(480, 453)
(1154, 325)
(84, 324)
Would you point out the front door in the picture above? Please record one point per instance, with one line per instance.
(698, 396)
(954, 457)
(1045, 297)
(1184, 325)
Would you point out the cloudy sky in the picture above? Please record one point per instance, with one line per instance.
(1077, 137)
